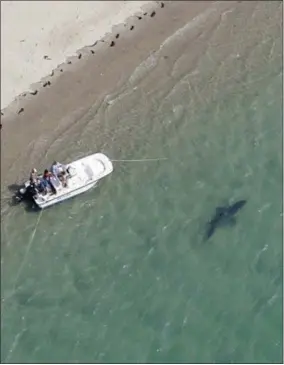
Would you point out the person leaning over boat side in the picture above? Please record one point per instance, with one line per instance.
(63, 179)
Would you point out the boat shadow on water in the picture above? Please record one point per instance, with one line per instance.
(14, 200)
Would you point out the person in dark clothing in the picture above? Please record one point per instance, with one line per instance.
(45, 181)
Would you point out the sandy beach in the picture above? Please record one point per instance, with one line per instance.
(62, 98)
(32, 49)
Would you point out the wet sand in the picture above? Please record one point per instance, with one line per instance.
(33, 123)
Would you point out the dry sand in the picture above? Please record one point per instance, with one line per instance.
(31, 124)
(45, 33)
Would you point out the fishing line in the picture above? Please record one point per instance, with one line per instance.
(143, 160)
(28, 247)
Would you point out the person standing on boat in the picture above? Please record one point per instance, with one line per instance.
(33, 177)
(59, 170)
(34, 181)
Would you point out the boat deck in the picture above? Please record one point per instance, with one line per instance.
(84, 174)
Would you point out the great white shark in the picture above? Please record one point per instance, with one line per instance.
(223, 216)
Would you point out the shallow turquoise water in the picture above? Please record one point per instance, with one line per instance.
(122, 273)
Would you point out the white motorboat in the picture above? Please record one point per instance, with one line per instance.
(83, 174)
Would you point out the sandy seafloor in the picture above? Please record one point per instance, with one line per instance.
(121, 273)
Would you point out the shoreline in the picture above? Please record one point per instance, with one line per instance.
(28, 136)
(34, 50)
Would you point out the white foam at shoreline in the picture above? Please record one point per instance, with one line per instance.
(31, 30)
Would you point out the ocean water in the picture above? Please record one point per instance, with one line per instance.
(122, 273)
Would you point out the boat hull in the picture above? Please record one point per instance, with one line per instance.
(85, 174)
(59, 199)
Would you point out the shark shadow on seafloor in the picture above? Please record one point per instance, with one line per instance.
(224, 216)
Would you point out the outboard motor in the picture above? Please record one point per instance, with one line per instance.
(26, 193)
(18, 197)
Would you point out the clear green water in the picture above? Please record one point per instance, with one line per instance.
(121, 273)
